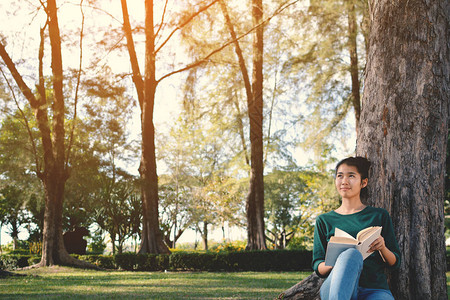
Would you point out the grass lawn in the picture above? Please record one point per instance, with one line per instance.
(69, 283)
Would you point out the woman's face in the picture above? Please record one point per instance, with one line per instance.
(348, 181)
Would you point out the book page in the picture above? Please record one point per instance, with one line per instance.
(365, 233)
(368, 239)
(341, 233)
(342, 240)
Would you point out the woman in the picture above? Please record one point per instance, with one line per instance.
(352, 277)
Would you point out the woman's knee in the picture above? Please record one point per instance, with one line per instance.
(352, 256)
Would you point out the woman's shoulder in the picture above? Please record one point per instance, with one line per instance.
(326, 217)
(377, 210)
(327, 214)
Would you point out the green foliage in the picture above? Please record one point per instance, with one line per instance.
(22, 247)
(277, 260)
(147, 262)
(12, 202)
(97, 244)
(34, 260)
(14, 261)
(299, 243)
(234, 246)
(293, 198)
(102, 261)
(218, 261)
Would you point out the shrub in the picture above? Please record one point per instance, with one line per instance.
(126, 261)
(34, 260)
(270, 260)
(277, 260)
(142, 262)
(102, 261)
(12, 262)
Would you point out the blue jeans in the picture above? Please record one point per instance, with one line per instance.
(342, 283)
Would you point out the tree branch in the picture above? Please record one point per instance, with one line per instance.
(69, 148)
(162, 18)
(137, 77)
(185, 23)
(206, 58)
(26, 91)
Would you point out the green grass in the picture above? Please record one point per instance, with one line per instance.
(69, 283)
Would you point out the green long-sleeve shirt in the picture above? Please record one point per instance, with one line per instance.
(372, 275)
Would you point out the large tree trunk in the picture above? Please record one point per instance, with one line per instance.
(55, 175)
(255, 198)
(404, 127)
(53, 250)
(152, 238)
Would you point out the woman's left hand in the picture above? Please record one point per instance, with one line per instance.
(377, 245)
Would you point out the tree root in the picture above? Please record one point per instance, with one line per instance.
(68, 261)
(307, 289)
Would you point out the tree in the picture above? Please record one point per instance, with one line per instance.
(254, 93)
(404, 130)
(293, 198)
(329, 65)
(118, 210)
(175, 208)
(152, 239)
(49, 112)
(12, 203)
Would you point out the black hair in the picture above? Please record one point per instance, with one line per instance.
(362, 164)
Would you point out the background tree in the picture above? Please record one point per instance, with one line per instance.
(176, 208)
(294, 197)
(328, 65)
(118, 211)
(54, 172)
(12, 201)
(152, 240)
(404, 131)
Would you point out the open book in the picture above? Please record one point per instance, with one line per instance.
(341, 241)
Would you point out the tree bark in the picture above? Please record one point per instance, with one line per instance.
(404, 128)
(307, 289)
(255, 199)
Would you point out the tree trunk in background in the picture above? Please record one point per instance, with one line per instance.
(255, 198)
(404, 127)
(205, 235)
(152, 238)
(354, 69)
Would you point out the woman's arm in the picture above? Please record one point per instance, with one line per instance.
(386, 254)
(324, 270)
